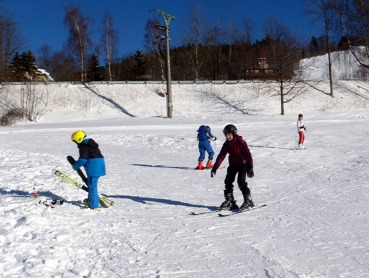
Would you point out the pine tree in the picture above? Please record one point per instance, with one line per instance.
(140, 68)
(93, 69)
(23, 67)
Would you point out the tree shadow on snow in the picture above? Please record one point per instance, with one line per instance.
(26, 194)
(15, 193)
(41, 195)
(149, 200)
(354, 92)
(317, 89)
(269, 147)
(116, 105)
(236, 107)
(163, 166)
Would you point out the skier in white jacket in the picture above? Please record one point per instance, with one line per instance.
(301, 130)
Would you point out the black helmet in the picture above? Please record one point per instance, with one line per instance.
(300, 116)
(230, 129)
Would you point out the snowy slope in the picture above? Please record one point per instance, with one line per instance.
(315, 224)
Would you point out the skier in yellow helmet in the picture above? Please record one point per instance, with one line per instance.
(93, 161)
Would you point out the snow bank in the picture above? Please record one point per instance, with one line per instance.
(117, 100)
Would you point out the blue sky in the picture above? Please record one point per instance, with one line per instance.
(41, 21)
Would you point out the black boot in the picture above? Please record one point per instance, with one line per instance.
(246, 193)
(248, 203)
(229, 203)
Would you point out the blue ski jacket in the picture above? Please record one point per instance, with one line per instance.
(90, 158)
(204, 134)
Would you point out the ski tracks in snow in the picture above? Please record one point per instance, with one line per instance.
(315, 224)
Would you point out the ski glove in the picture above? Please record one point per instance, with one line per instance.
(213, 172)
(250, 173)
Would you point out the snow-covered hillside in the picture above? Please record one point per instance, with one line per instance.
(105, 101)
(344, 66)
(314, 225)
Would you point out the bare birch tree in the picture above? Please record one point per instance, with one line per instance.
(197, 27)
(354, 23)
(214, 40)
(44, 58)
(109, 40)
(284, 56)
(233, 39)
(11, 41)
(248, 30)
(324, 11)
(155, 43)
(79, 35)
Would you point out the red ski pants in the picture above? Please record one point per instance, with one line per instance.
(301, 137)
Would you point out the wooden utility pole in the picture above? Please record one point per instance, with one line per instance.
(165, 28)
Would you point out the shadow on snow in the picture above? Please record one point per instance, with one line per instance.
(20, 193)
(149, 200)
(115, 104)
(163, 166)
(269, 147)
(143, 200)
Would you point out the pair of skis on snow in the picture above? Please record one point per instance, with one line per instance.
(225, 213)
(104, 201)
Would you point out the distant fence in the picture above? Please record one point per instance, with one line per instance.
(147, 82)
(228, 82)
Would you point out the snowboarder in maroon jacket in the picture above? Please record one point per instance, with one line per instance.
(240, 162)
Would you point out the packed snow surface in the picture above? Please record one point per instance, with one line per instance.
(315, 223)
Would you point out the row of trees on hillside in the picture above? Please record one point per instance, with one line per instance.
(206, 52)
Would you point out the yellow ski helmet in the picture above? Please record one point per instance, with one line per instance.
(78, 136)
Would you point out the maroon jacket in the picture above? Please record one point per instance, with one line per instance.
(239, 153)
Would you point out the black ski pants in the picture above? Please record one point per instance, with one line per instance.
(232, 171)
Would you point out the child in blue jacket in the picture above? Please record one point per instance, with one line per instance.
(92, 160)
(203, 136)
